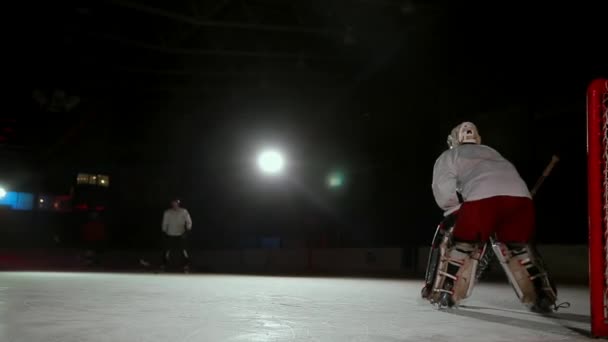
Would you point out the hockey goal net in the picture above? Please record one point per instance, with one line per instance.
(597, 154)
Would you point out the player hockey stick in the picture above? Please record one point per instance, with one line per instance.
(488, 256)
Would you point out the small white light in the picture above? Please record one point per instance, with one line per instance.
(2, 193)
(271, 162)
(42, 200)
(103, 181)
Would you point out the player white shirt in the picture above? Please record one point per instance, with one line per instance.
(176, 221)
(477, 172)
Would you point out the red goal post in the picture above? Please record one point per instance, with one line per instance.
(597, 157)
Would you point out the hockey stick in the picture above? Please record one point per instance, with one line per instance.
(546, 173)
(488, 256)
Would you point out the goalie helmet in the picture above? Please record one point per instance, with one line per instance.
(465, 133)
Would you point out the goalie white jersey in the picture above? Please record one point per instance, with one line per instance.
(477, 172)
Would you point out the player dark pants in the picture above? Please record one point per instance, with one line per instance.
(176, 246)
(512, 219)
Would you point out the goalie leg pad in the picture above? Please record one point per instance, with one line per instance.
(527, 275)
(516, 272)
(438, 248)
(546, 292)
(455, 274)
(463, 260)
(470, 253)
(441, 237)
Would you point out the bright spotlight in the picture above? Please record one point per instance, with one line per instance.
(271, 161)
(2, 192)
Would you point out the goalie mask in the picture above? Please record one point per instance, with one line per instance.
(465, 133)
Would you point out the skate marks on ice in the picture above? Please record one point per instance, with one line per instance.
(290, 317)
(564, 324)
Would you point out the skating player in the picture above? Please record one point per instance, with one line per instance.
(176, 225)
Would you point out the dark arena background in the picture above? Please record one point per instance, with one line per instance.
(301, 138)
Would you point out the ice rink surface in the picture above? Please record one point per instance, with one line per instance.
(70, 307)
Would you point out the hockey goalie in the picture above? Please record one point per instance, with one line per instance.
(483, 198)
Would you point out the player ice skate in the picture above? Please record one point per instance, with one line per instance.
(483, 198)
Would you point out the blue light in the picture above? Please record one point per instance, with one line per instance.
(18, 200)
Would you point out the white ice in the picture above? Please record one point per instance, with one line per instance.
(70, 307)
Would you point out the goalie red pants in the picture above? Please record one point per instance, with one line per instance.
(511, 218)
